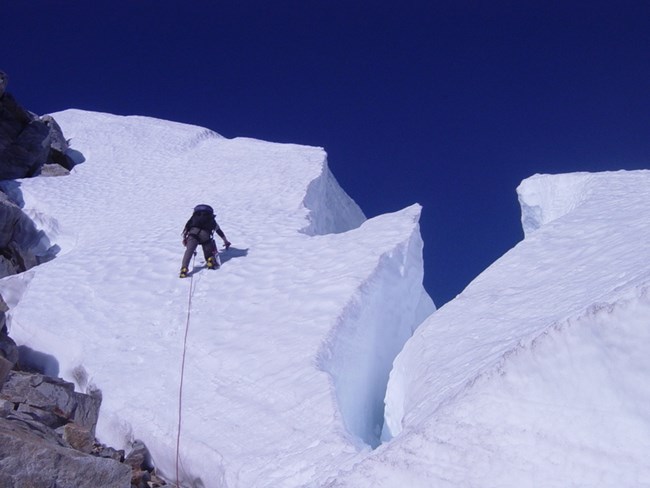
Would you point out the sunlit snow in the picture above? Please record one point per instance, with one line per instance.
(289, 344)
(535, 376)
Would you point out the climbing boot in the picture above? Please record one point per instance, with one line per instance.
(183, 273)
(212, 263)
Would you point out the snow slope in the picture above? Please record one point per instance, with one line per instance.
(537, 374)
(289, 345)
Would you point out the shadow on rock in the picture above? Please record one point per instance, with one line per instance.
(37, 362)
(22, 244)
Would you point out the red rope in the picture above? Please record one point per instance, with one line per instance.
(180, 389)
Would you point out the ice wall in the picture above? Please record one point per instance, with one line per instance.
(373, 327)
(535, 371)
(331, 210)
(544, 198)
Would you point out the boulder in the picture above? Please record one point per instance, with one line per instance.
(54, 397)
(24, 140)
(139, 457)
(22, 244)
(47, 439)
(58, 144)
(8, 348)
(5, 367)
(27, 141)
(108, 452)
(31, 456)
(79, 437)
(5, 407)
(144, 472)
(18, 421)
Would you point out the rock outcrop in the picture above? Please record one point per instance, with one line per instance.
(29, 145)
(32, 455)
(8, 349)
(47, 438)
(27, 141)
(52, 400)
(47, 429)
(22, 245)
(37, 416)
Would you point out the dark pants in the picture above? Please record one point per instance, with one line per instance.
(193, 240)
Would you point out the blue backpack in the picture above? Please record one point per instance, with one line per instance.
(203, 218)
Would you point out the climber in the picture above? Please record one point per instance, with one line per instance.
(198, 230)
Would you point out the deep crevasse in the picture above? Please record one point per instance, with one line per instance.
(371, 330)
(534, 372)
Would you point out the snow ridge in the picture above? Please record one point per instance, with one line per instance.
(259, 409)
(330, 208)
(543, 198)
(518, 379)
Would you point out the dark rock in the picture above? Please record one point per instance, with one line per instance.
(8, 348)
(140, 478)
(3, 318)
(27, 422)
(24, 140)
(6, 407)
(139, 457)
(27, 141)
(47, 439)
(32, 457)
(5, 367)
(45, 417)
(52, 395)
(156, 481)
(22, 244)
(58, 144)
(79, 438)
(108, 452)
(9, 216)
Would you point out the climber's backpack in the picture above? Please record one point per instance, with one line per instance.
(204, 208)
(203, 218)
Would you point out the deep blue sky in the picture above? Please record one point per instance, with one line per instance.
(448, 104)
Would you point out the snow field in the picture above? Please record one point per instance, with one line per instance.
(258, 407)
(534, 376)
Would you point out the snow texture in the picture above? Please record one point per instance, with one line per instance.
(537, 374)
(289, 344)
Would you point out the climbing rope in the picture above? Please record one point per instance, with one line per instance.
(180, 389)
